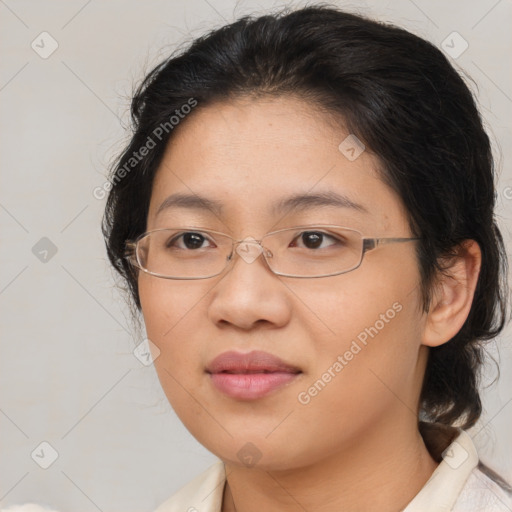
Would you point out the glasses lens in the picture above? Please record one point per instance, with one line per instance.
(314, 251)
(304, 251)
(183, 253)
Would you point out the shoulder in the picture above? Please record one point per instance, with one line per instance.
(202, 494)
(482, 493)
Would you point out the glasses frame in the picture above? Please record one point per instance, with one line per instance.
(369, 244)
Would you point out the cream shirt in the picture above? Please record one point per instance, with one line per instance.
(457, 485)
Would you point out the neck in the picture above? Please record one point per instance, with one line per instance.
(381, 470)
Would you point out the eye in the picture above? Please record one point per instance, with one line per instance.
(190, 240)
(313, 239)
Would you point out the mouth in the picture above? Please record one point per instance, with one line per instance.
(244, 371)
(250, 376)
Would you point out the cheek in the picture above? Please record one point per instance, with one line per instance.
(166, 303)
(370, 318)
(171, 312)
(367, 365)
(174, 315)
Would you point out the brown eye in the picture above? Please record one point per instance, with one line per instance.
(313, 239)
(189, 240)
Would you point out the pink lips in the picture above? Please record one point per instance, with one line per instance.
(251, 375)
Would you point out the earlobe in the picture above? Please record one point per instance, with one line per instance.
(453, 295)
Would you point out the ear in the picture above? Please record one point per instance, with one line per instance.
(453, 295)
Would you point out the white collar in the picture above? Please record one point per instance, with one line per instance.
(442, 489)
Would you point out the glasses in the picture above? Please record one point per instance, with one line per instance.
(301, 251)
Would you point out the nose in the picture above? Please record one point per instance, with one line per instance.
(250, 293)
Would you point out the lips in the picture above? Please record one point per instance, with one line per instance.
(251, 362)
(251, 375)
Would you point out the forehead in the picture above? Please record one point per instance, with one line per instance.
(249, 156)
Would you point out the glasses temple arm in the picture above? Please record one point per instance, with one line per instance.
(372, 243)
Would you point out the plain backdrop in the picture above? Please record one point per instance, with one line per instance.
(67, 372)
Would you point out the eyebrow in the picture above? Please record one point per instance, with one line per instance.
(293, 203)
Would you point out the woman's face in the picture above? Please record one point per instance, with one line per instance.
(354, 339)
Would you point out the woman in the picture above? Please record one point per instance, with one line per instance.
(305, 218)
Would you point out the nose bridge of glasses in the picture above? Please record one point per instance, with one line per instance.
(249, 249)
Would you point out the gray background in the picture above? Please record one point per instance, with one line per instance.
(67, 372)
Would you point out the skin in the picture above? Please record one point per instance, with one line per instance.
(356, 445)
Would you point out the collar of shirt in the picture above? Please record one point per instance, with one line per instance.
(204, 493)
